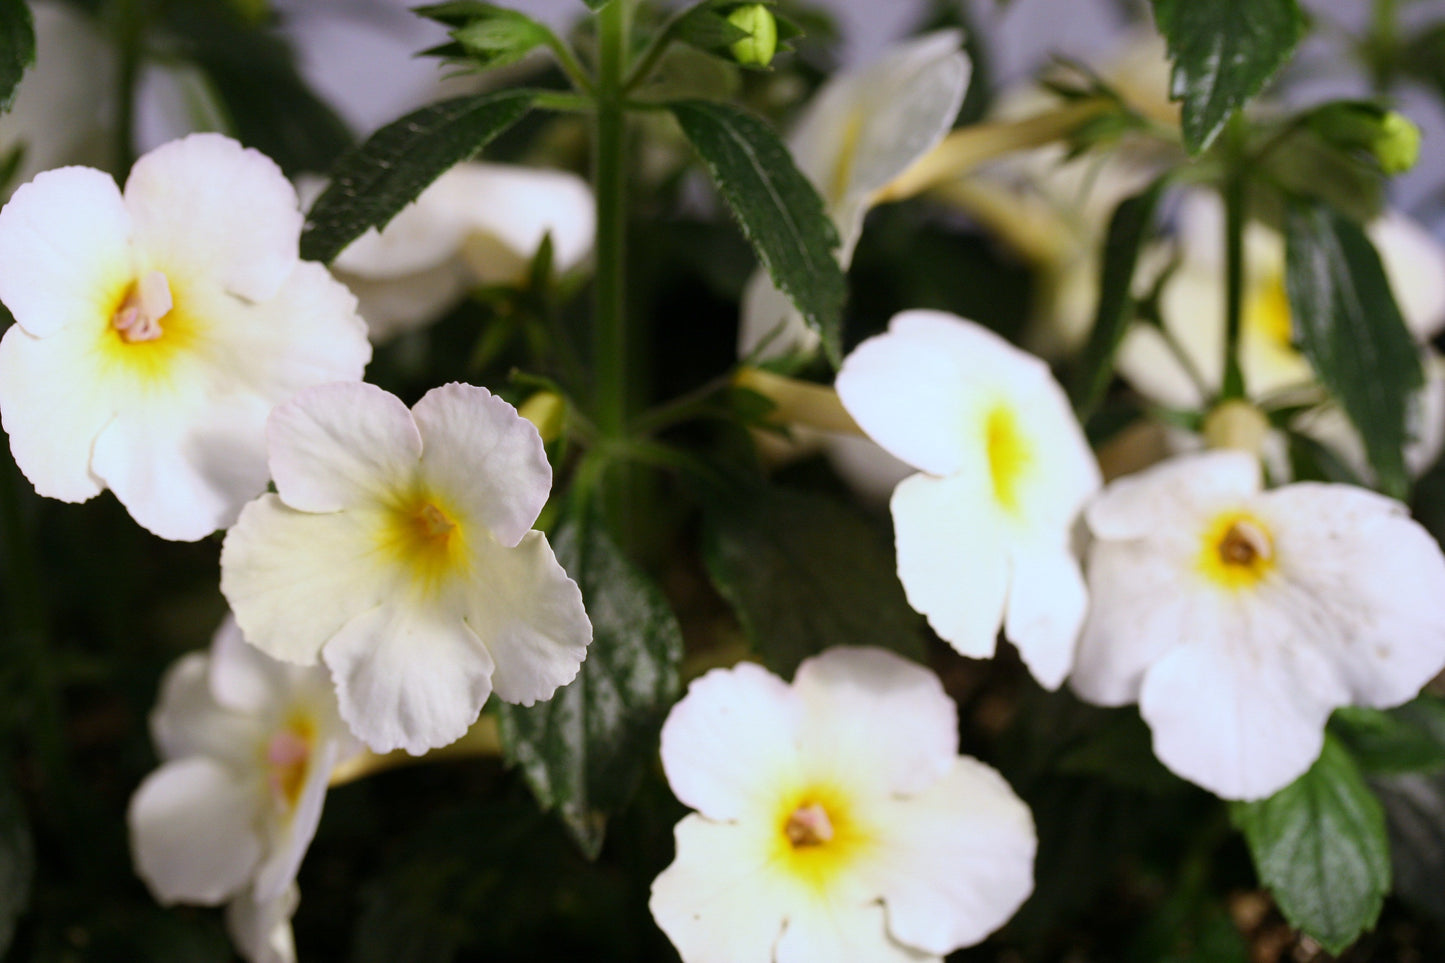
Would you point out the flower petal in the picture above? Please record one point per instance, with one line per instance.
(241, 676)
(1162, 498)
(294, 579)
(53, 409)
(408, 679)
(1414, 262)
(823, 932)
(952, 558)
(340, 446)
(293, 831)
(870, 710)
(770, 326)
(731, 741)
(65, 254)
(1046, 605)
(1363, 583)
(719, 901)
(487, 458)
(192, 828)
(508, 209)
(206, 205)
(188, 721)
(955, 861)
(530, 616)
(1240, 709)
(260, 929)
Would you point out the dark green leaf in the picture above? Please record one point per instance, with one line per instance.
(376, 180)
(583, 749)
(1407, 739)
(1348, 325)
(1319, 845)
(17, 48)
(704, 28)
(1128, 230)
(1415, 813)
(1224, 52)
(17, 863)
(267, 103)
(779, 210)
(1121, 750)
(805, 572)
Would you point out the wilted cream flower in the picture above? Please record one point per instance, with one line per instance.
(861, 130)
(1239, 619)
(983, 531)
(247, 747)
(397, 549)
(156, 329)
(835, 819)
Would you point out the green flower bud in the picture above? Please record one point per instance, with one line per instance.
(1391, 138)
(756, 49)
(1397, 145)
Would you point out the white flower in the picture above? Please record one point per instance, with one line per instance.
(155, 330)
(983, 531)
(1239, 619)
(476, 224)
(861, 130)
(835, 819)
(398, 550)
(247, 747)
(1192, 307)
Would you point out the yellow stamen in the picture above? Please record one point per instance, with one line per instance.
(146, 301)
(808, 826)
(1237, 552)
(424, 538)
(818, 834)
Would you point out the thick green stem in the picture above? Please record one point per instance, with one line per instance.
(1382, 45)
(130, 17)
(1234, 198)
(609, 166)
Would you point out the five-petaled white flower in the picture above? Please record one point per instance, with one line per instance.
(156, 329)
(1239, 619)
(983, 531)
(398, 550)
(248, 745)
(476, 224)
(835, 819)
(861, 130)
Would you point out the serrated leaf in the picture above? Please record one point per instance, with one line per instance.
(1223, 52)
(1406, 739)
(1349, 327)
(805, 572)
(17, 48)
(779, 210)
(1128, 230)
(489, 35)
(1320, 847)
(372, 183)
(17, 863)
(583, 750)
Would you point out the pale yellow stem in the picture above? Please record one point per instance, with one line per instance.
(482, 739)
(799, 402)
(967, 148)
(1028, 227)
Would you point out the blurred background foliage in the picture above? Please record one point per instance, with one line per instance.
(452, 859)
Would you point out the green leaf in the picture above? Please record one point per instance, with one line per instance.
(253, 72)
(489, 35)
(779, 210)
(1224, 52)
(17, 48)
(1346, 322)
(1128, 230)
(583, 750)
(1319, 845)
(1407, 739)
(805, 572)
(17, 863)
(372, 183)
(1415, 815)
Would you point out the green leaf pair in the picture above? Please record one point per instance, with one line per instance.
(486, 34)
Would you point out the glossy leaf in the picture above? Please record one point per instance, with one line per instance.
(372, 183)
(17, 48)
(779, 210)
(583, 750)
(804, 572)
(1223, 52)
(1347, 323)
(1320, 847)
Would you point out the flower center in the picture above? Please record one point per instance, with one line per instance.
(1238, 551)
(287, 756)
(808, 825)
(138, 318)
(425, 540)
(1008, 456)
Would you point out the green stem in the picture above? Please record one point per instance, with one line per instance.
(1382, 45)
(569, 64)
(130, 17)
(610, 181)
(1234, 197)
